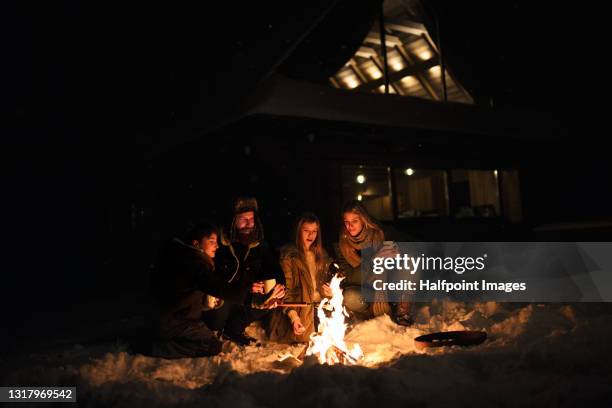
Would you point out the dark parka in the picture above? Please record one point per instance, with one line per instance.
(182, 277)
(240, 265)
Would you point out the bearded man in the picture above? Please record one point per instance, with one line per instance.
(244, 260)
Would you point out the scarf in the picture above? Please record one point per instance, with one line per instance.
(349, 245)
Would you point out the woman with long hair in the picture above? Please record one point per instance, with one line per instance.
(360, 231)
(305, 264)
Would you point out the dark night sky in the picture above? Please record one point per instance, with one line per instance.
(144, 65)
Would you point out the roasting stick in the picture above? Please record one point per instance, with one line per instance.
(297, 304)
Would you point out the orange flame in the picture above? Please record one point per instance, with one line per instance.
(327, 344)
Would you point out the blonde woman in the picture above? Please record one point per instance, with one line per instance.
(360, 231)
(305, 264)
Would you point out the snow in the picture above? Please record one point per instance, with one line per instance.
(547, 354)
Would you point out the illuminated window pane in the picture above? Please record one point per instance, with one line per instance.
(421, 193)
(474, 193)
(374, 192)
(511, 195)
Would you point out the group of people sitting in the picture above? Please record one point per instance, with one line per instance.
(212, 285)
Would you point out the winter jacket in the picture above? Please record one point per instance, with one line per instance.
(299, 288)
(182, 278)
(353, 275)
(240, 265)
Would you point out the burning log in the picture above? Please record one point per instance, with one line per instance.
(302, 354)
(343, 356)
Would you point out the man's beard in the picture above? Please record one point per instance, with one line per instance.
(247, 235)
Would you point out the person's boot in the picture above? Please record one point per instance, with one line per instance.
(212, 347)
(241, 339)
(402, 315)
(404, 320)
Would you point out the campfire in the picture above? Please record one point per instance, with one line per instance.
(327, 344)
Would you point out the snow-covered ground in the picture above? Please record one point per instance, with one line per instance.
(535, 355)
